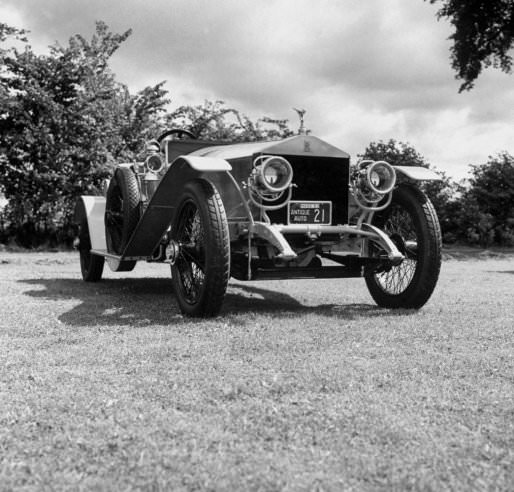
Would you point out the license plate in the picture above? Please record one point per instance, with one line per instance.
(309, 212)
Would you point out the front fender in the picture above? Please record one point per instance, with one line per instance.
(205, 164)
(93, 209)
(415, 173)
(161, 209)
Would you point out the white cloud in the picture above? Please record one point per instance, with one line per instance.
(11, 16)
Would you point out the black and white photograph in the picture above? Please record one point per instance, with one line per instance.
(256, 245)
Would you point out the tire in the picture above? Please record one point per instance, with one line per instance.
(201, 271)
(91, 266)
(412, 224)
(122, 213)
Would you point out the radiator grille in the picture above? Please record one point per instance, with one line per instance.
(319, 178)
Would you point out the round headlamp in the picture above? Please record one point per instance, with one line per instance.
(273, 173)
(381, 177)
(154, 163)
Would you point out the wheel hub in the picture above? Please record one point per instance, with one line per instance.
(172, 251)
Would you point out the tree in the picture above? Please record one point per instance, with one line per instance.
(214, 121)
(489, 202)
(483, 36)
(395, 153)
(64, 120)
(442, 193)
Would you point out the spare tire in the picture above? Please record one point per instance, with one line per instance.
(122, 209)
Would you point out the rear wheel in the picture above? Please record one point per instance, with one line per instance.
(122, 213)
(201, 271)
(411, 222)
(91, 265)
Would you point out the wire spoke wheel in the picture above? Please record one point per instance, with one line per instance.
(201, 271)
(399, 226)
(412, 224)
(114, 217)
(191, 260)
(122, 213)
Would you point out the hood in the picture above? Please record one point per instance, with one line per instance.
(303, 145)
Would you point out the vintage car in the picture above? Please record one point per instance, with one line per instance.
(283, 209)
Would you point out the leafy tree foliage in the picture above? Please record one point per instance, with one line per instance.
(395, 153)
(64, 120)
(214, 121)
(483, 36)
(488, 212)
(442, 193)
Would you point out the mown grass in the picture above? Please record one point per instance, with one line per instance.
(298, 385)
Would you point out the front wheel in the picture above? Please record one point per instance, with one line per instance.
(411, 222)
(201, 271)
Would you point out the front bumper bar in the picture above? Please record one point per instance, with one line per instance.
(274, 233)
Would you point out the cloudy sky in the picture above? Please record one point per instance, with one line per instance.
(365, 70)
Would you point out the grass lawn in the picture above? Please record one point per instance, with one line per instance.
(298, 385)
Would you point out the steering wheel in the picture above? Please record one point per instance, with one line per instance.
(176, 131)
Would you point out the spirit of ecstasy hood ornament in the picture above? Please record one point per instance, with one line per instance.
(301, 112)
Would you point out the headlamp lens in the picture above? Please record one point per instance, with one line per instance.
(277, 173)
(154, 163)
(375, 178)
(271, 174)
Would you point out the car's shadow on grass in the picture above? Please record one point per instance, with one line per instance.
(124, 301)
(249, 298)
(149, 301)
